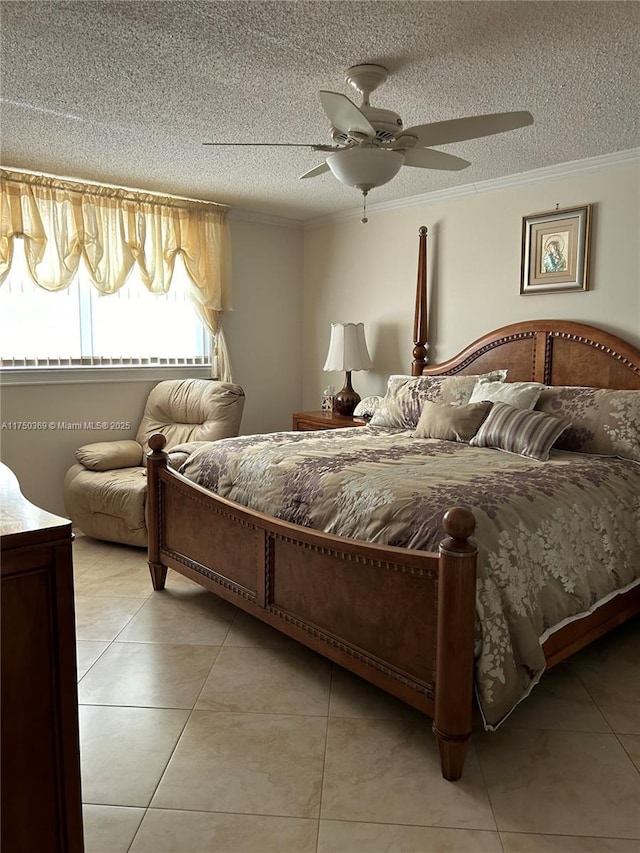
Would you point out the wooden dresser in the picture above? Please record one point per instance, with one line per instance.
(41, 799)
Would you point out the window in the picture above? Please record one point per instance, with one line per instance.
(79, 326)
(63, 224)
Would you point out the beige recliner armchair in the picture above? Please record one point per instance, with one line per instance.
(105, 492)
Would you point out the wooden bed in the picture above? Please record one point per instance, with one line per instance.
(401, 619)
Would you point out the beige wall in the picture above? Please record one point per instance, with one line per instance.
(356, 272)
(264, 336)
(264, 331)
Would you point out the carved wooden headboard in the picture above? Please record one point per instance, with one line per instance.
(556, 352)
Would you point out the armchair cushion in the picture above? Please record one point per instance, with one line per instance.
(108, 505)
(109, 455)
(191, 410)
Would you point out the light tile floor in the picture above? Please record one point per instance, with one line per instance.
(204, 730)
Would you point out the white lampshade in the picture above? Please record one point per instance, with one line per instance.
(348, 348)
(365, 168)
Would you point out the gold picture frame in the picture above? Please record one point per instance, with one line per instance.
(555, 250)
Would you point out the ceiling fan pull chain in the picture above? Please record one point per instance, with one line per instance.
(364, 207)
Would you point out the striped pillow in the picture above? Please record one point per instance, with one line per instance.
(521, 431)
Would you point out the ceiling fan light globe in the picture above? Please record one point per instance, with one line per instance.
(365, 167)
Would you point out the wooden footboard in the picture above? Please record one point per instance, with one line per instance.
(378, 611)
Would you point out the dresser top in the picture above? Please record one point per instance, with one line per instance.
(18, 515)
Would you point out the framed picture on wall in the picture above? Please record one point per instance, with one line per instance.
(555, 250)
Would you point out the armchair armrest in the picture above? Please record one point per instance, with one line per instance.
(109, 455)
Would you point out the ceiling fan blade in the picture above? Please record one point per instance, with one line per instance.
(313, 173)
(472, 127)
(263, 144)
(425, 158)
(344, 115)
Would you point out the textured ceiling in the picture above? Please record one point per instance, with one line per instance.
(126, 92)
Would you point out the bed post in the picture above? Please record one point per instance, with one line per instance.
(454, 645)
(156, 462)
(420, 316)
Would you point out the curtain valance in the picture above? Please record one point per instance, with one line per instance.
(111, 229)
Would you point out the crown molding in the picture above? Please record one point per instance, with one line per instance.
(560, 170)
(264, 218)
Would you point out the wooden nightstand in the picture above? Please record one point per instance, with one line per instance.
(324, 420)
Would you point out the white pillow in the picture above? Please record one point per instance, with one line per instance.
(366, 408)
(522, 395)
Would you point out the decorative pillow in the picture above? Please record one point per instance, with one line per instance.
(457, 390)
(109, 455)
(402, 404)
(521, 431)
(366, 407)
(522, 395)
(451, 423)
(603, 421)
(179, 454)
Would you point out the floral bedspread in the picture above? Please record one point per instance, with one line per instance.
(554, 538)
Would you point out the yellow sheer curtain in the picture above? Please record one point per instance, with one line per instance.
(211, 229)
(110, 230)
(50, 221)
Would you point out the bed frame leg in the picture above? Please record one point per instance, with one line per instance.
(158, 575)
(455, 634)
(452, 754)
(156, 462)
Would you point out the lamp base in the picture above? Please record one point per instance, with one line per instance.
(346, 399)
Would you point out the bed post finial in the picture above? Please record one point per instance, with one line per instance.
(459, 524)
(420, 316)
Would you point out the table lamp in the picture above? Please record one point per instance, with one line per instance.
(347, 351)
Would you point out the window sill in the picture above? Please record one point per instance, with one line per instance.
(93, 375)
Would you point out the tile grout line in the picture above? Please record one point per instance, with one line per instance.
(324, 757)
(213, 663)
(488, 793)
(175, 747)
(604, 717)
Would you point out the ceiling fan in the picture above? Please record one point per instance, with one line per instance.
(369, 145)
